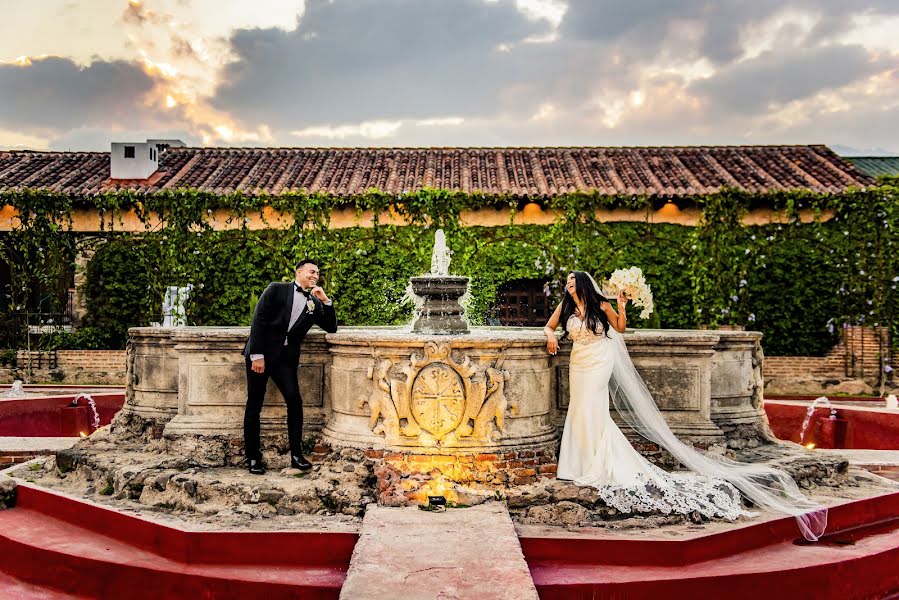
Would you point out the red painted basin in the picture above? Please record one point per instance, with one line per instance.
(54, 416)
(856, 427)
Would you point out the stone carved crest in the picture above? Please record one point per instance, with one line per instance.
(436, 400)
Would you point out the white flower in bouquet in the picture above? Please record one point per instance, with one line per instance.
(632, 284)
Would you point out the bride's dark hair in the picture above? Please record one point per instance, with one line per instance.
(583, 287)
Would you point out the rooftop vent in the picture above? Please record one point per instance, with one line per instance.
(138, 160)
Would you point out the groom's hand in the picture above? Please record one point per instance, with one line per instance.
(319, 293)
(258, 365)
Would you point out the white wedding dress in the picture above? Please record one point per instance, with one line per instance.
(596, 453)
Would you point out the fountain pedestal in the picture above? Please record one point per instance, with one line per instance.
(481, 392)
(440, 313)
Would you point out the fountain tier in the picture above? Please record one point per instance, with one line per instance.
(439, 312)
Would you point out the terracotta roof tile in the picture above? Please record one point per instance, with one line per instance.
(541, 172)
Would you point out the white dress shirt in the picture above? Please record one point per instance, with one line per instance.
(299, 305)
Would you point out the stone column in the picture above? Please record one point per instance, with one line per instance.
(737, 386)
(212, 391)
(152, 378)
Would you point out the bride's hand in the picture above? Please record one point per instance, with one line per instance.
(552, 344)
(622, 299)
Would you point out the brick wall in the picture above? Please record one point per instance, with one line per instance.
(70, 366)
(857, 355)
(89, 360)
(8, 459)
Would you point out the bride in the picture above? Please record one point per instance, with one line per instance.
(595, 453)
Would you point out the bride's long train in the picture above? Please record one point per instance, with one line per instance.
(596, 453)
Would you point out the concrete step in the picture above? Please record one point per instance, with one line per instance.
(420, 555)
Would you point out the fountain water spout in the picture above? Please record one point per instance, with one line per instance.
(93, 407)
(440, 255)
(821, 401)
(15, 390)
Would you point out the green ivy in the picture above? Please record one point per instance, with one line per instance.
(798, 282)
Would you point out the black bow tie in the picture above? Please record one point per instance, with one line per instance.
(300, 290)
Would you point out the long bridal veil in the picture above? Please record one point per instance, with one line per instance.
(766, 486)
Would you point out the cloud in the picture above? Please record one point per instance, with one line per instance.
(470, 72)
(53, 94)
(84, 138)
(781, 76)
(376, 60)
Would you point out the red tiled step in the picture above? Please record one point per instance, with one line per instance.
(44, 542)
(13, 589)
(865, 570)
(703, 547)
(269, 547)
(856, 559)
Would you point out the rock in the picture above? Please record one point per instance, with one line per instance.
(565, 491)
(472, 497)
(7, 492)
(69, 459)
(270, 495)
(256, 510)
(250, 496)
(517, 498)
(160, 481)
(563, 513)
(798, 386)
(852, 387)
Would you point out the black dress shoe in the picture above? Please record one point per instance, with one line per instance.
(256, 467)
(298, 462)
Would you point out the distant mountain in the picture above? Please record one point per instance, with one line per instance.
(850, 151)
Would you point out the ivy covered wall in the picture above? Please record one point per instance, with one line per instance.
(796, 282)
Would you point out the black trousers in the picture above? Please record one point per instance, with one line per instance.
(282, 369)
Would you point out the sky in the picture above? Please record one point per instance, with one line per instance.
(347, 73)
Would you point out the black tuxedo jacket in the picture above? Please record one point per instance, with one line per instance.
(272, 316)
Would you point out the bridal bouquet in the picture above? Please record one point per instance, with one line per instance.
(632, 283)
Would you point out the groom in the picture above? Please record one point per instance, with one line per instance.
(283, 315)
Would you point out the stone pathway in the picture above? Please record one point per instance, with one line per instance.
(420, 555)
(38, 445)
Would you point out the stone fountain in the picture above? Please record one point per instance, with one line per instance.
(438, 400)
